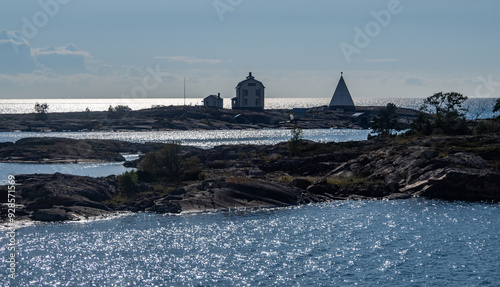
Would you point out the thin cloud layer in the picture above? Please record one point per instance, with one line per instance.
(66, 60)
(18, 57)
(189, 60)
(15, 54)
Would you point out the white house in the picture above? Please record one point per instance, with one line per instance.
(214, 101)
(249, 94)
(342, 99)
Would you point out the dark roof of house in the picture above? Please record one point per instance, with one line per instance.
(212, 96)
(249, 78)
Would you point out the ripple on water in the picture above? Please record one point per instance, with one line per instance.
(203, 139)
(391, 243)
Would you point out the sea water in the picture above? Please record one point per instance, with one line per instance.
(414, 242)
(203, 139)
(477, 107)
(82, 169)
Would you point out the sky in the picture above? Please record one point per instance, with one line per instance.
(133, 49)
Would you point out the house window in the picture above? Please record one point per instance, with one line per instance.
(245, 93)
(251, 84)
(257, 93)
(245, 102)
(257, 102)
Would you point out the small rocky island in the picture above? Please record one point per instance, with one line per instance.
(170, 118)
(248, 176)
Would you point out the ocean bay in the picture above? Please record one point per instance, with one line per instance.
(390, 243)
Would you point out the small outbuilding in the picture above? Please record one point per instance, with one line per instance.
(361, 119)
(214, 101)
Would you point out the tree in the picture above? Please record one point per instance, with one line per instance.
(497, 106)
(449, 112)
(127, 182)
(295, 141)
(445, 104)
(118, 111)
(41, 110)
(164, 164)
(386, 120)
(422, 124)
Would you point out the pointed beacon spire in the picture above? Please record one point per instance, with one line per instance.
(341, 97)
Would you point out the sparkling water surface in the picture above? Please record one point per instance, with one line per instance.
(412, 242)
(203, 139)
(83, 169)
(478, 107)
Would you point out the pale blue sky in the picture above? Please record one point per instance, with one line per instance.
(89, 48)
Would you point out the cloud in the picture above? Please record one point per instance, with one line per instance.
(16, 56)
(414, 81)
(190, 60)
(381, 60)
(66, 60)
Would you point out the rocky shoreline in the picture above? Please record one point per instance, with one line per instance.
(250, 176)
(188, 118)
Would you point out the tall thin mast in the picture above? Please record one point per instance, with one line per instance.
(184, 90)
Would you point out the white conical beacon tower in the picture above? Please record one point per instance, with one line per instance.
(341, 97)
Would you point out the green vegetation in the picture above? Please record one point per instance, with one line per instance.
(497, 106)
(295, 142)
(486, 127)
(118, 111)
(448, 115)
(202, 176)
(160, 165)
(386, 120)
(166, 165)
(127, 182)
(87, 113)
(42, 111)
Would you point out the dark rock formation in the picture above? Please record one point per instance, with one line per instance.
(187, 117)
(222, 194)
(62, 150)
(63, 197)
(451, 168)
(420, 171)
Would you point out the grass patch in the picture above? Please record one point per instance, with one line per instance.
(118, 199)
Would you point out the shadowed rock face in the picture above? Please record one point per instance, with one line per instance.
(221, 194)
(419, 171)
(61, 150)
(61, 197)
